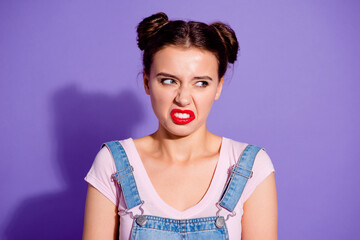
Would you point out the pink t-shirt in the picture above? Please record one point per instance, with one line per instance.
(103, 167)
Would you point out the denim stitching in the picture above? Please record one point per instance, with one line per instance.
(180, 232)
(177, 221)
(126, 168)
(118, 178)
(238, 167)
(231, 177)
(182, 223)
(124, 161)
(248, 177)
(144, 228)
(248, 149)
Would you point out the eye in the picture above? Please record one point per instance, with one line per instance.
(167, 81)
(202, 83)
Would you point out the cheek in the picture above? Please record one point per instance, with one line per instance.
(161, 100)
(204, 102)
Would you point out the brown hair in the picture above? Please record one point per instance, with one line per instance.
(156, 32)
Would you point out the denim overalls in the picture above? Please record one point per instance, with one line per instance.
(150, 227)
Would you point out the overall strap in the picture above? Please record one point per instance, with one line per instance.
(240, 174)
(124, 175)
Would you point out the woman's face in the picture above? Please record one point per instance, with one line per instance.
(183, 84)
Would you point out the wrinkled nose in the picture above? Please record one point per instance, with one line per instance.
(183, 97)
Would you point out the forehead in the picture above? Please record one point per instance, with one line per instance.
(184, 61)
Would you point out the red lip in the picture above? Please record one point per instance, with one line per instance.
(182, 120)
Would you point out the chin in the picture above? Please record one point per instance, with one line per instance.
(179, 130)
(181, 134)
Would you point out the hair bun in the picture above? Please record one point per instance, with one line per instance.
(228, 38)
(149, 26)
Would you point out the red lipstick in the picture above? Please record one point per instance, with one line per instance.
(179, 120)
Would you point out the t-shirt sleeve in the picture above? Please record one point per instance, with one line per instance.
(100, 175)
(262, 168)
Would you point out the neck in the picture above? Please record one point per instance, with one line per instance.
(184, 149)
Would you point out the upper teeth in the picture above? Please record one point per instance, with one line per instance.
(182, 115)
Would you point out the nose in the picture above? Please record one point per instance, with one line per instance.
(183, 97)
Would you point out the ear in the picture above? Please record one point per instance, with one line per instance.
(219, 88)
(146, 83)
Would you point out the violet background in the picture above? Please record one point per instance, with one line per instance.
(70, 80)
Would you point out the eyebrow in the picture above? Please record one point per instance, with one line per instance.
(173, 76)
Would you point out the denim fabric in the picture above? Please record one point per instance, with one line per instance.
(124, 175)
(158, 228)
(239, 177)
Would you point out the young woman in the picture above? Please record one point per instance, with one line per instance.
(182, 181)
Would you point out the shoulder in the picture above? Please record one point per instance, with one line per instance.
(262, 167)
(103, 165)
(262, 164)
(235, 149)
(101, 171)
(104, 160)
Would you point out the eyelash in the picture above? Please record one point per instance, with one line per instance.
(204, 83)
(164, 79)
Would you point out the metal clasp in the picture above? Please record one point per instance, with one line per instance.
(232, 214)
(131, 213)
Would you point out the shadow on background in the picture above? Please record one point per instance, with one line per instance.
(83, 121)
